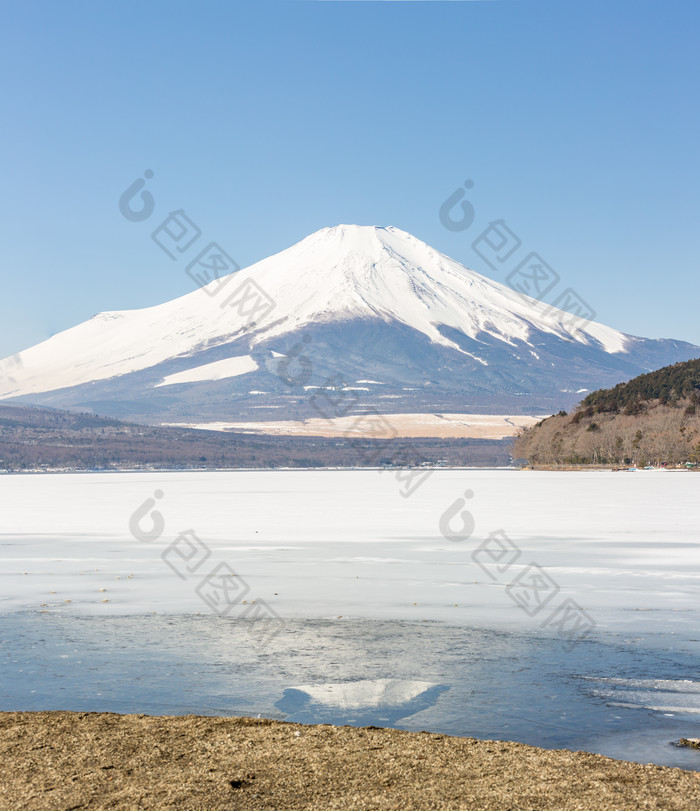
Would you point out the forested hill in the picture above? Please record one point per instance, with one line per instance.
(669, 385)
(653, 419)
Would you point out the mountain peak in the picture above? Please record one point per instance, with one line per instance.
(351, 230)
(362, 271)
(368, 240)
(382, 304)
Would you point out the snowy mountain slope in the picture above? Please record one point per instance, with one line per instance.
(360, 303)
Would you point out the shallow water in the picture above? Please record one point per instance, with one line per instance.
(489, 684)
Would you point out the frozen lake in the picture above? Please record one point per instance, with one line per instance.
(559, 609)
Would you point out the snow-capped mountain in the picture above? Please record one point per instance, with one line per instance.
(369, 317)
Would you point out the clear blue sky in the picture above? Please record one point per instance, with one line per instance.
(577, 121)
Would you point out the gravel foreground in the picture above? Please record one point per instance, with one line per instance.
(64, 760)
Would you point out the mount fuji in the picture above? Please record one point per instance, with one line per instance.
(350, 319)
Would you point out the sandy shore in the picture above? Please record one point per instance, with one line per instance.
(61, 760)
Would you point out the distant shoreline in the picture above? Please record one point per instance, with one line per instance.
(348, 469)
(329, 469)
(621, 469)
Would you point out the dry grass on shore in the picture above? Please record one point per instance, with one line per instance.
(61, 760)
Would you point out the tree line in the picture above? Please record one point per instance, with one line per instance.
(653, 419)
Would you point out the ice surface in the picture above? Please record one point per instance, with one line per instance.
(660, 695)
(382, 620)
(361, 544)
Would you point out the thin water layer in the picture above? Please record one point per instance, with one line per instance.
(611, 697)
